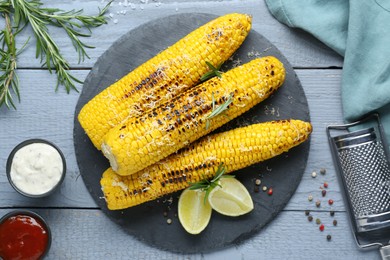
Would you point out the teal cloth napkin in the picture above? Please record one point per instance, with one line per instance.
(359, 30)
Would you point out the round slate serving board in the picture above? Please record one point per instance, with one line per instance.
(146, 222)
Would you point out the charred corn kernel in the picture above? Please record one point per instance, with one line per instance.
(170, 72)
(201, 159)
(187, 117)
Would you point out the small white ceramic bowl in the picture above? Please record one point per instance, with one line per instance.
(33, 177)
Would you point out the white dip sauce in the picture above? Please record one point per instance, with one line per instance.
(36, 168)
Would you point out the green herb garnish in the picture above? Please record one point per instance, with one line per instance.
(20, 13)
(214, 71)
(208, 185)
(218, 110)
(8, 79)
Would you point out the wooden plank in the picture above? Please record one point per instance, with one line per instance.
(88, 234)
(301, 49)
(47, 114)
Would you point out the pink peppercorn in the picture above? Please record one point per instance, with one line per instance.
(322, 227)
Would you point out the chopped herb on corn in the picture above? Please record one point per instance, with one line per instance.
(160, 79)
(144, 140)
(235, 149)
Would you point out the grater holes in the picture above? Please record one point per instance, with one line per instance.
(367, 176)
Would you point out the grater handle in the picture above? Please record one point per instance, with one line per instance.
(385, 252)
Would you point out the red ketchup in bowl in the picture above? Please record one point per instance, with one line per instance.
(23, 236)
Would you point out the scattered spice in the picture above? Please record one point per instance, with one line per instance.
(256, 189)
(165, 213)
(270, 191)
(265, 188)
(323, 188)
(322, 227)
(169, 221)
(257, 182)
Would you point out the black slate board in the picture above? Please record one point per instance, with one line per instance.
(146, 222)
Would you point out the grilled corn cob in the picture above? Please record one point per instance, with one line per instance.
(236, 149)
(142, 141)
(172, 71)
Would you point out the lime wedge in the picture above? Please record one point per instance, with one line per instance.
(230, 198)
(194, 211)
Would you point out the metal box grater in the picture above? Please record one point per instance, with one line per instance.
(362, 162)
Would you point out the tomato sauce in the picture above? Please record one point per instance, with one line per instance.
(23, 237)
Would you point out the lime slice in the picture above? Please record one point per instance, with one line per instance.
(194, 211)
(230, 198)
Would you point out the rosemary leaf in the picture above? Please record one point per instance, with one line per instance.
(217, 110)
(208, 185)
(214, 71)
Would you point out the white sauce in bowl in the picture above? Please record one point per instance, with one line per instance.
(36, 168)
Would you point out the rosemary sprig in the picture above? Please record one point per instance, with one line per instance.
(208, 185)
(71, 21)
(32, 12)
(8, 54)
(47, 50)
(217, 110)
(214, 71)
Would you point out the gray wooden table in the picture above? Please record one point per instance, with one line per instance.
(81, 231)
